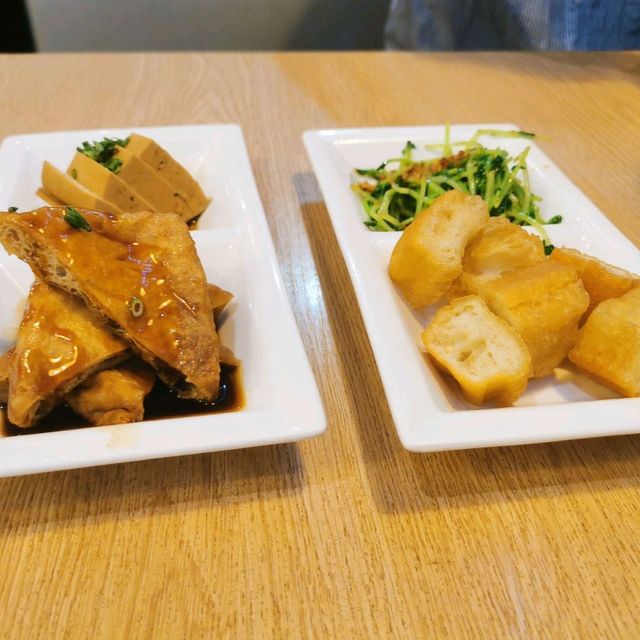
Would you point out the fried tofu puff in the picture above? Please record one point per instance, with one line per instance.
(608, 345)
(115, 396)
(483, 353)
(60, 343)
(601, 280)
(142, 272)
(499, 247)
(428, 256)
(544, 304)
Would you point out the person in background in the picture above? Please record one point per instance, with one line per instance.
(441, 25)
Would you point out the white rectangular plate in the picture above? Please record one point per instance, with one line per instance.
(282, 402)
(429, 414)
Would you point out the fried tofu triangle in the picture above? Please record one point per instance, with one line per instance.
(428, 256)
(5, 366)
(115, 396)
(139, 270)
(480, 350)
(60, 343)
(608, 345)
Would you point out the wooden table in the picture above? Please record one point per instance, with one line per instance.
(347, 535)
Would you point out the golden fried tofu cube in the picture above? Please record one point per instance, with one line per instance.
(544, 304)
(481, 351)
(608, 345)
(498, 248)
(428, 256)
(601, 280)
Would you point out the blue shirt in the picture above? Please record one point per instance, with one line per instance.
(441, 25)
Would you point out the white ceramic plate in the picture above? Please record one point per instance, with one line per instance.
(234, 244)
(429, 413)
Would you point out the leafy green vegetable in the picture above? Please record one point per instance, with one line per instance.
(75, 219)
(104, 152)
(400, 188)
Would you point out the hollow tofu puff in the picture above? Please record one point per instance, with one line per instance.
(168, 168)
(428, 256)
(544, 304)
(601, 280)
(151, 186)
(106, 184)
(608, 345)
(69, 191)
(481, 351)
(498, 248)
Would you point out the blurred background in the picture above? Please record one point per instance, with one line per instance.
(259, 25)
(134, 25)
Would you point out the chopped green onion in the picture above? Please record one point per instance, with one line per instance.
(104, 152)
(136, 307)
(75, 219)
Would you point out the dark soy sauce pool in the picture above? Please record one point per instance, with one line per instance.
(161, 403)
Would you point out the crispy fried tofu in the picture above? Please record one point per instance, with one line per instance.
(601, 280)
(428, 256)
(141, 272)
(608, 345)
(481, 351)
(60, 343)
(544, 304)
(5, 366)
(499, 247)
(218, 299)
(114, 396)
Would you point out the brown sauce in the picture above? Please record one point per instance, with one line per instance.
(161, 403)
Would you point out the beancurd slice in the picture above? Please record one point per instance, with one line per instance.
(601, 280)
(150, 185)
(49, 198)
(106, 184)
(60, 343)
(71, 192)
(428, 256)
(544, 304)
(482, 352)
(499, 247)
(608, 345)
(139, 270)
(170, 169)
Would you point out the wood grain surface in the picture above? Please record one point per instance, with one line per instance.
(347, 535)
